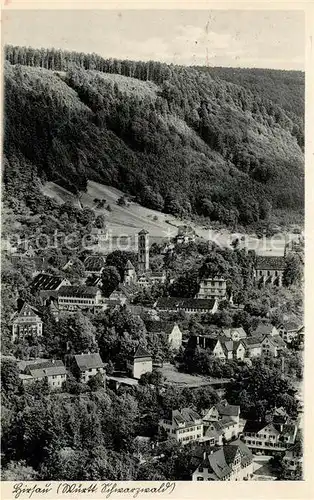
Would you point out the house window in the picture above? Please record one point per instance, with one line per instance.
(200, 478)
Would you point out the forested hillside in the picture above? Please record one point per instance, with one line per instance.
(181, 140)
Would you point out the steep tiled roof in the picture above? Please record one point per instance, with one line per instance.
(160, 326)
(93, 281)
(45, 282)
(263, 329)
(228, 332)
(17, 315)
(218, 460)
(270, 262)
(129, 266)
(87, 361)
(47, 368)
(255, 341)
(277, 341)
(78, 291)
(228, 410)
(254, 426)
(141, 352)
(291, 326)
(94, 263)
(185, 416)
(128, 290)
(218, 464)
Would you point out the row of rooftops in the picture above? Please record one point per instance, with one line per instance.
(218, 460)
(84, 362)
(270, 262)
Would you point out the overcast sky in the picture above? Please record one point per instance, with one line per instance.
(262, 39)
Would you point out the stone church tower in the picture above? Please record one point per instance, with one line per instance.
(143, 251)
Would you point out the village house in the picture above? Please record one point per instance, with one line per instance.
(217, 433)
(170, 329)
(117, 296)
(253, 346)
(43, 282)
(234, 333)
(189, 306)
(269, 438)
(212, 287)
(75, 298)
(273, 346)
(86, 366)
(289, 330)
(226, 349)
(220, 410)
(265, 329)
(151, 278)
(26, 322)
(293, 457)
(183, 425)
(269, 269)
(140, 363)
(94, 265)
(230, 462)
(123, 292)
(52, 371)
(130, 276)
(94, 280)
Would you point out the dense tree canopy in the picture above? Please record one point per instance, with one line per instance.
(179, 139)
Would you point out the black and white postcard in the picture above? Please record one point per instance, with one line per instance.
(153, 251)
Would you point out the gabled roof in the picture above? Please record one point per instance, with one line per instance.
(217, 463)
(94, 263)
(160, 326)
(267, 262)
(286, 429)
(255, 426)
(78, 291)
(255, 341)
(227, 345)
(275, 340)
(93, 281)
(141, 352)
(263, 329)
(292, 326)
(46, 282)
(128, 290)
(185, 416)
(129, 266)
(224, 409)
(229, 332)
(25, 307)
(47, 368)
(219, 460)
(87, 361)
(278, 341)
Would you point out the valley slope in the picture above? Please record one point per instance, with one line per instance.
(181, 140)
